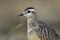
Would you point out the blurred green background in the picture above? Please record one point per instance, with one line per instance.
(13, 27)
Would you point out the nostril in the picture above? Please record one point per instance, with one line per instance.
(25, 13)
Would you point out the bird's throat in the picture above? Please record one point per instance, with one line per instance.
(30, 22)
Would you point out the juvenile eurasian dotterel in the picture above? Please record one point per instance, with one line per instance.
(37, 28)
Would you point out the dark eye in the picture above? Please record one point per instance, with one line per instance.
(29, 11)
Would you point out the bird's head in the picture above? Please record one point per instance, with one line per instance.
(28, 12)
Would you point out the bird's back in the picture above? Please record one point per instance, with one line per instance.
(46, 33)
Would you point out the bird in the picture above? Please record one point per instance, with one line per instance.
(38, 30)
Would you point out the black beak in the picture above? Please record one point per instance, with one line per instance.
(21, 14)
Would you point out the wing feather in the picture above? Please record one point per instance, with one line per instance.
(46, 33)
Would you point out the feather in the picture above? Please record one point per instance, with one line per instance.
(46, 32)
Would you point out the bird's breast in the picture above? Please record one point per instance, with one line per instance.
(33, 36)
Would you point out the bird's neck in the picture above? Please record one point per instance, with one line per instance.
(30, 22)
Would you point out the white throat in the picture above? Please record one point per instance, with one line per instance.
(30, 21)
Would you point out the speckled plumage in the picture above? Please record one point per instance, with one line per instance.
(38, 30)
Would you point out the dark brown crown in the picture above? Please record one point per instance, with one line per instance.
(29, 8)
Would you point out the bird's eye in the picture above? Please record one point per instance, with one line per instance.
(29, 11)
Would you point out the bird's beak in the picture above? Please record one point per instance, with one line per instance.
(21, 14)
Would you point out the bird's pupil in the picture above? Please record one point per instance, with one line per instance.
(29, 11)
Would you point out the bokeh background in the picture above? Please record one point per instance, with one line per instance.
(13, 27)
